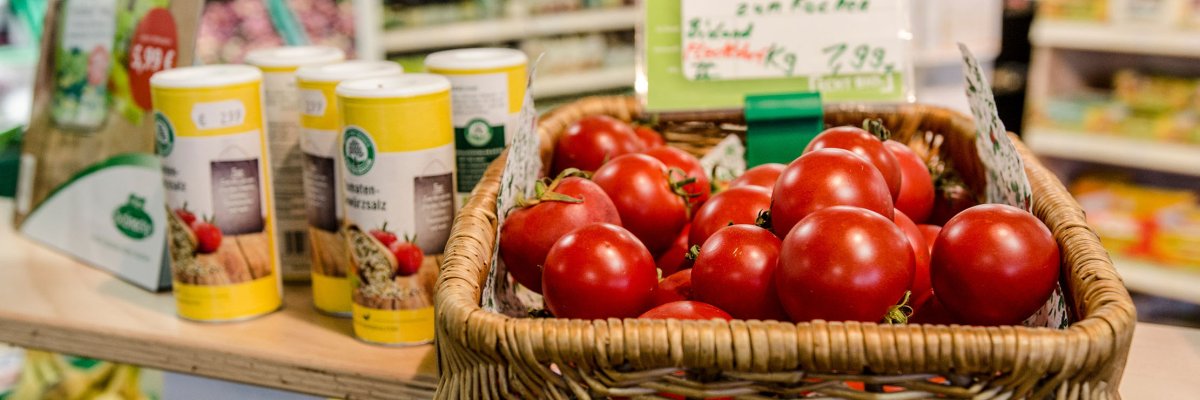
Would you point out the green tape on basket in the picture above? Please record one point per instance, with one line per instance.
(779, 126)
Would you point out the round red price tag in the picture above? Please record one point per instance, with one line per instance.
(154, 47)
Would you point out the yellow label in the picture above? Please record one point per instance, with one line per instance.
(212, 111)
(399, 124)
(318, 105)
(517, 80)
(393, 326)
(331, 294)
(227, 302)
(284, 69)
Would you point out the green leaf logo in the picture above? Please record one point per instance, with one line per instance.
(359, 151)
(132, 220)
(164, 135)
(478, 133)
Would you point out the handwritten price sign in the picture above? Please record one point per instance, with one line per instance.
(151, 58)
(839, 45)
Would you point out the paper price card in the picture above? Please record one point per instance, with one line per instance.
(708, 54)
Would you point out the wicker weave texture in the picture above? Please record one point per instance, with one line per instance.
(487, 355)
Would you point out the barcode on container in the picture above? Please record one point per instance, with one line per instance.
(294, 242)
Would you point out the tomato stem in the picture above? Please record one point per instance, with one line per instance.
(899, 313)
(677, 187)
(876, 128)
(692, 253)
(764, 220)
(543, 192)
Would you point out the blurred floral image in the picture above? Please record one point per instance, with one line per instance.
(231, 28)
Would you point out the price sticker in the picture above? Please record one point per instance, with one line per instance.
(153, 48)
(312, 103)
(219, 114)
(706, 54)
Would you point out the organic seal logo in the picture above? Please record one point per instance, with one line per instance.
(478, 133)
(132, 220)
(358, 150)
(164, 135)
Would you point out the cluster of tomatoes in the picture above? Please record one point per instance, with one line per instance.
(408, 256)
(848, 231)
(208, 236)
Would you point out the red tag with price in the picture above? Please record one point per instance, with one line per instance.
(154, 47)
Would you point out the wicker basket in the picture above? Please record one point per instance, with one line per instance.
(487, 355)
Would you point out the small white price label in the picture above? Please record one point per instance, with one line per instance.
(218, 114)
(761, 39)
(143, 58)
(312, 103)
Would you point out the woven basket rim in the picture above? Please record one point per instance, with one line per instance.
(1107, 316)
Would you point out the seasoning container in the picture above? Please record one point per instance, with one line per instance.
(320, 122)
(487, 88)
(221, 227)
(397, 148)
(279, 67)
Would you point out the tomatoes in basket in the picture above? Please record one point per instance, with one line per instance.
(734, 270)
(529, 231)
(591, 141)
(994, 264)
(916, 185)
(684, 166)
(676, 287)
(739, 205)
(949, 199)
(865, 145)
(843, 264)
(649, 137)
(826, 178)
(651, 204)
(686, 310)
(920, 284)
(763, 176)
(598, 271)
(675, 259)
(930, 232)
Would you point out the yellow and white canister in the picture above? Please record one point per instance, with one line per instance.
(319, 126)
(279, 67)
(397, 149)
(488, 86)
(210, 136)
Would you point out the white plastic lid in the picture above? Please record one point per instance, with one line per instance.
(294, 56)
(406, 85)
(357, 69)
(205, 76)
(481, 58)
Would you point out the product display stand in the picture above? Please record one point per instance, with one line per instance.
(49, 301)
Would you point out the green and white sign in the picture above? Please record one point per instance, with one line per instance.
(359, 151)
(709, 54)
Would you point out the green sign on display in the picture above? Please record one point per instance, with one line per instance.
(710, 54)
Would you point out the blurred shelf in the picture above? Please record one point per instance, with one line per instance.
(49, 301)
(614, 77)
(506, 29)
(1115, 38)
(1159, 280)
(949, 56)
(1179, 158)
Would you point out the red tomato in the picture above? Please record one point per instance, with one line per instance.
(763, 175)
(649, 137)
(648, 205)
(383, 235)
(185, 215)
(843, 264)
(598, 271)
(685, 310)
(916, 185)
(930, 232)
(931, 312)
(208, 236)
(529, 232)
(676, 287)
(690, 166)
(994, 264)
(675, 257)
(587, 144)
(408, 257)
(734, 270)
(826, 178)
(920, 284)
(949, 200)
(739, 205)
(865, 145)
